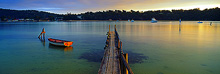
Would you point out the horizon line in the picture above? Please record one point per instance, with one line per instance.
(114, 10)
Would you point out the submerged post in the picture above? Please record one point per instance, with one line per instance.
(42, 33)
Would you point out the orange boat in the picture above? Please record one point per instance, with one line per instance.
(60, 42)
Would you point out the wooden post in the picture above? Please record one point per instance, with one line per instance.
(122, 66)
(126, 58)
(109, 28)
(115, 28)
(124, 69)
(120, 45)
(42, 33)
(126, 65)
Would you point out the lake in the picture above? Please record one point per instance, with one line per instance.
(154, 48)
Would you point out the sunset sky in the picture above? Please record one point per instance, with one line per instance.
(80, 6)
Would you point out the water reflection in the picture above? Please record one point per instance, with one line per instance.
(180, 28)
(42, 41)
(65, 49)
(160, 47)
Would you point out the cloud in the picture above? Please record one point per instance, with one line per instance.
(79, 6)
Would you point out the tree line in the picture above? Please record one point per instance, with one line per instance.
(25, 14)
(192, 14)
(212, 14)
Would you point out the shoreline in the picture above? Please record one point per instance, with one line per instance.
(100, 20)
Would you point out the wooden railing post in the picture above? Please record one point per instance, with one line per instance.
(115, 28)
(120, 45)
(126, 59)
(109, 28)
(126, 64)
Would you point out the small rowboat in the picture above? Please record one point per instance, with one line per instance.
(60, 42)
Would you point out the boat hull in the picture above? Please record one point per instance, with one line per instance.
(153, 21)
(58, 42)
(199, 22)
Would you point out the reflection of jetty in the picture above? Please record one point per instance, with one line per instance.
(114, 60)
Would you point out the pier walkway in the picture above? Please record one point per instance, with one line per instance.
(114, 60)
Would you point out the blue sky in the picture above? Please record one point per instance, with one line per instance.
(80, 6)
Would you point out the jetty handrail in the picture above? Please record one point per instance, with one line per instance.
(121, 54)
(126, 64)
(116, 34)
(117, 39)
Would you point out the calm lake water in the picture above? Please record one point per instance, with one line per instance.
(154, 48)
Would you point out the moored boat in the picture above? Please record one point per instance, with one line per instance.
(153, 20)
(199, 22)
(58, 42)
(132, 20)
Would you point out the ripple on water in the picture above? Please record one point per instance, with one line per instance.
(160, 73)
(203, 64)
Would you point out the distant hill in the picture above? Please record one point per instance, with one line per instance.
(212, 14)
(31, 14)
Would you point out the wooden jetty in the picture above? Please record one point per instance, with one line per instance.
(114, 60)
